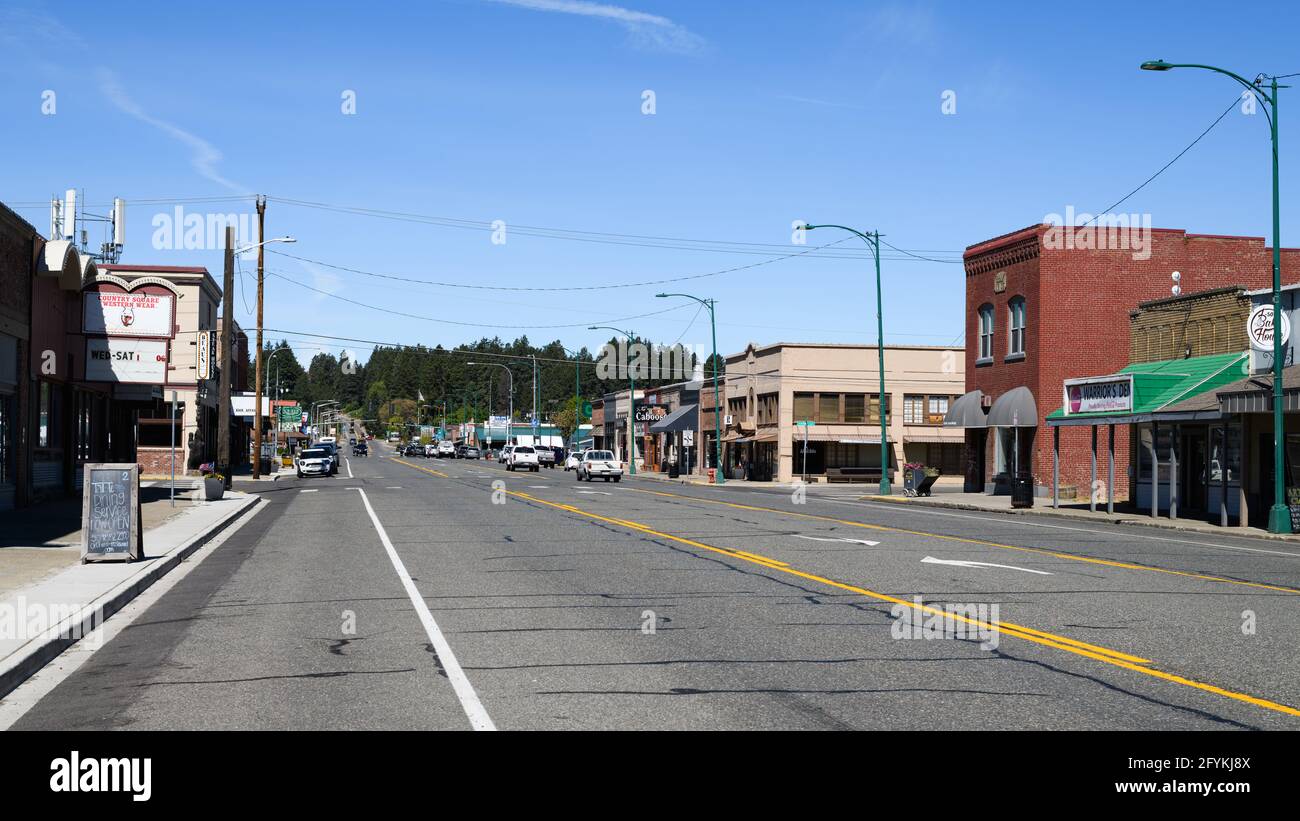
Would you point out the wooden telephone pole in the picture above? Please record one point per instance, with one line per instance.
(227, 358)
(257, 371)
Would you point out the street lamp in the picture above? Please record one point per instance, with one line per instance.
(257, 371)
(717, 407)
(873, 240)
(1279, 515)
(631, 399)
(511, 421)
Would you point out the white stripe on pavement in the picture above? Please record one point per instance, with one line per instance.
(478, 717)
(349, 461)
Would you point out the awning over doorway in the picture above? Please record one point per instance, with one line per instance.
(684, 418)
(1165, 388)
(1014, 409)
(967, 411)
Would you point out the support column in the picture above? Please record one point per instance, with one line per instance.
(1173, 472)
(1155, 470)
(1092, 484)
(1110, 482)
(1223, 473)
(1243, 505)
(1056, 466)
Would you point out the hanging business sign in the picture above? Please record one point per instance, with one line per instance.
(141, 361)
(650, 413)
(119, 313)
(1103, 394)
(1259, 328)
(241, 404)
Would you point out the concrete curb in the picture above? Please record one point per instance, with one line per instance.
(38, 652)
(1130, 521)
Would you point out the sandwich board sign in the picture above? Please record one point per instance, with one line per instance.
(110, 513)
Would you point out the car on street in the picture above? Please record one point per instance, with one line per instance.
(571, 461)
(316, 462)
(431, 450)
(504, 456)
(545, 456)
(469, 452)
(523, 457)
(360, 449)
(446, 449)
(599, 463)
(414, 449)
(333, 451)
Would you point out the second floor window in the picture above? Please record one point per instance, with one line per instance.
(1016, 326)
(986, 332)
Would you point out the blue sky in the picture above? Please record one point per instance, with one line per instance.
(531, 112)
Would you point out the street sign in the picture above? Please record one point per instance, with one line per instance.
(804, 423)
(586, 409)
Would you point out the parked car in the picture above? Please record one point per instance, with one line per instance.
(315, 462)
(545, 456)
(414, 449)
(469, 452)
(333, 453)
(599, 463)
(572, 460)
(504, 456)
(430, 450)
(446, 448)
(523, 456)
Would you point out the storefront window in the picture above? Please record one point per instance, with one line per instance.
(828, 407)
(1162, 449)
(873, 409)
(1219, 458)
(44, 436)
(913, 409)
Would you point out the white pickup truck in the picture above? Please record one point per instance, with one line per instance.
(599, 463)
(522, 456)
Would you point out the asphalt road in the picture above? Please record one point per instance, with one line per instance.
(554, 604)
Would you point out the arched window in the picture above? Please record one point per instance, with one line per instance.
(986, 331)
(1016, 326)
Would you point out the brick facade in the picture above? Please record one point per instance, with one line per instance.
(1079, 304)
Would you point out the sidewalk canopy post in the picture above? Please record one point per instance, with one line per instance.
(1092, 485)
(1056, 466)
(1155, 470)
(1223, 473)
(1173, 472)
(1110, 483)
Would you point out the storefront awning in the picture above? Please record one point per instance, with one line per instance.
(684, 418)
(1014, 409)
(1153, 390)
(967, 411)
(761, 436)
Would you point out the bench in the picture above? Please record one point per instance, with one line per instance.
(853, 474)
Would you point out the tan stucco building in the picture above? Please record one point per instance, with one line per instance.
(837, 388)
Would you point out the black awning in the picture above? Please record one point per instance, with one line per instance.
(967, 411)
(1014, 409)
(684, 418)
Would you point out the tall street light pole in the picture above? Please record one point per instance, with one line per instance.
(1279, 515)
(631, 400)
(717, 406)
(873, 240)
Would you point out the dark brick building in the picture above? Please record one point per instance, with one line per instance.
(1040, 311)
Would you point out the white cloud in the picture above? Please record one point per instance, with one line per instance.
(652, 28)
(204, 156)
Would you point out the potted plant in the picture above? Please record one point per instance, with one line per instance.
(212, 485)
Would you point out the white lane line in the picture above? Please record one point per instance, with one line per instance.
(393, 487)
(1125, 533)
(539, 487)
(867, 542)
(965, 563)
(478, 717)
(349, 461)
(309, 490)
(596, 492)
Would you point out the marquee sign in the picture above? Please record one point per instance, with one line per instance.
(1102, 394)
(135, 313)
(126, 360)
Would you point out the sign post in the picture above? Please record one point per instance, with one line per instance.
(173, 426)
(805, 424)
(110, 513)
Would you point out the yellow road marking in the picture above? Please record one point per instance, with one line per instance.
(1102, 654)
(982, 542)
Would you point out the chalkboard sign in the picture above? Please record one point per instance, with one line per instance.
(110, 513)
(1293, 504)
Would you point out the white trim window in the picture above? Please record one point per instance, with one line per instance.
(986, 332)
(1016, 326)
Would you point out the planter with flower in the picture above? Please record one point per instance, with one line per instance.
(213, 485)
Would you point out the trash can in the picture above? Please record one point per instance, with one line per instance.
(673, 472)
(1022, 491)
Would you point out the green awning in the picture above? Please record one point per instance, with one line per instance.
(1158, 385)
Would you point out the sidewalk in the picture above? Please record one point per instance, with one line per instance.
(1043, 507)
(43, 581)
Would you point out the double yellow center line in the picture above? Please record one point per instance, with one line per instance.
(1069, 645)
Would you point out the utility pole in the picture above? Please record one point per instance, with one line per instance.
(257, 381)
(227, 321)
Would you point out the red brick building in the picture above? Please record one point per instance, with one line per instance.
(1039, 311)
